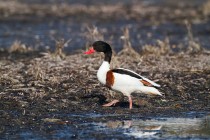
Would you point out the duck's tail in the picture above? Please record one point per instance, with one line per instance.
(149, 90)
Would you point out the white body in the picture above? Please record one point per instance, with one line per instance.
(125, 83)
(101, 74)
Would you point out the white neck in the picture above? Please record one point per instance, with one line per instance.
(101, 74)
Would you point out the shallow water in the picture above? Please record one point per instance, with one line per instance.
(110, 126)
(42, 32)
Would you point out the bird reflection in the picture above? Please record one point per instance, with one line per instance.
(146, 131)
(134, 128)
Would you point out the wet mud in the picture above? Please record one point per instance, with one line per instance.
(48, 91)
(37, 87)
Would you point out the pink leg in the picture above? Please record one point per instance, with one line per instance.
(130, 102)
(111, 103)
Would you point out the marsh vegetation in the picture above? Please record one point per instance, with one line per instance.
(42, 75)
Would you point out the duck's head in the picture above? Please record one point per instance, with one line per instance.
(99, 46)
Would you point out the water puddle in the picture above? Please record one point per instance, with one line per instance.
(99, 126)
(160, 128)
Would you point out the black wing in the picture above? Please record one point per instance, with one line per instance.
(127, 72)
(135, 75)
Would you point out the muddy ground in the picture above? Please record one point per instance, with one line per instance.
(37, 84)
(34, 84)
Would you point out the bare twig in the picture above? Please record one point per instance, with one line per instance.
(193, 46)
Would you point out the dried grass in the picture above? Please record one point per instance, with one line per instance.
(136, 10)
(127, 47)
(37, 71)
(10, 8)
(69, 81)
(92, 35)
(193, 46)
(162, 48)
(72, 83)
(59, 46)
(19, 47)
(206, 8)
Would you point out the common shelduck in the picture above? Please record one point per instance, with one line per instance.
(122, 80)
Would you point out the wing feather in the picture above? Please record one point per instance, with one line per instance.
(134, 74)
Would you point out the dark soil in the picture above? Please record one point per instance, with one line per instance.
(32, 84)
(39, 84)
